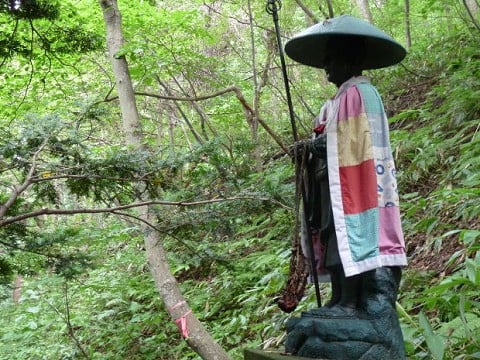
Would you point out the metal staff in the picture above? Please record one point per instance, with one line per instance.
(273, 6)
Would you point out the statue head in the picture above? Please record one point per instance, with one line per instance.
(344, 57)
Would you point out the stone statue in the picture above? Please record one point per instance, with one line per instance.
(352, 212)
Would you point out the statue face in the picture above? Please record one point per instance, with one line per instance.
(338, 70)
(343, 59)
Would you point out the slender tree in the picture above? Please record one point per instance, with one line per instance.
(472, 7)
(191, 328)
(408, 38)
(253, 120)
(364, 10)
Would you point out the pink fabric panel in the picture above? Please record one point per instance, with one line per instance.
(350, 104)
(391, 235)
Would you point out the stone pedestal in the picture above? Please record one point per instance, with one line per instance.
(370, 332)
(254, 354)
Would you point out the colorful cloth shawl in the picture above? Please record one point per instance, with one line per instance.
(362, 179)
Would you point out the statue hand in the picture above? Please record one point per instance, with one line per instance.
(299, 148)
(318, 146)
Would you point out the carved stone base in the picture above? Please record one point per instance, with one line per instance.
(371, 332)
(254, 354)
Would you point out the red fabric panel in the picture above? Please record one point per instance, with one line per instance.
(359, 187)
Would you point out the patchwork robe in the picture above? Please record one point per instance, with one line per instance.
(361, 176)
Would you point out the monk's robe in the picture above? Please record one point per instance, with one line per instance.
(361, 175)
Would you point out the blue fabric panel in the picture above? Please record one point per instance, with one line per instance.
(378, 131)
(371, 99)
(376, 115)
(363, 233)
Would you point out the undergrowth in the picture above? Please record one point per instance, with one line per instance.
(437, 150)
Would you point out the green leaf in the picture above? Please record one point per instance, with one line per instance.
(473, 271)
(469, 236)
(34, 309)
(134, 306)
(121, 53)
(32, 325)
(435, 342)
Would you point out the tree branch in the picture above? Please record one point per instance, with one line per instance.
(194, 98)
(28, 181)
(67, 318)
(307, 11)
(48, 211)
(238, 93)
(35, 180)
(193, 251)
(182, 113)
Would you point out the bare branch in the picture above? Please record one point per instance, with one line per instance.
(194, 98)
(35, 180)
(249, 112)
(67, 318)
(193, 251)
(182, 113)
(212, 9)
(47, 211)
(307, 11)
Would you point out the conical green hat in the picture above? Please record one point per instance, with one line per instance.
(309, 46)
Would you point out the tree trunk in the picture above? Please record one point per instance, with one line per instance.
(256, 98)
(191, 328)
(128, 106)
(365, 10)
(17, 288)
(408, 38)
(472, 6)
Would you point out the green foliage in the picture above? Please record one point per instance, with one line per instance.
(436, 146)
(6, 271)
(30, 9)
(452, 305)
(231, 257)
(434, 342)
(50, 26)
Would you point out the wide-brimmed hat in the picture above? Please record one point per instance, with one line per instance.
(309, 46)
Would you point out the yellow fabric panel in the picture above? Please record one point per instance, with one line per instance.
(354, 141)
